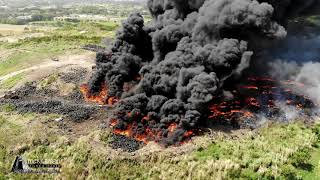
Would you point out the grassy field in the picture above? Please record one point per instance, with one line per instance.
(275, 151)
(11, 82)
(7, 30)
(58, 39)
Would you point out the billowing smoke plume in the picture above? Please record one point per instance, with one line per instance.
(298, 59)
(310, 75)
(181, 59)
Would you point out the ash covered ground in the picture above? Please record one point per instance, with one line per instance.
(59, 94)
(33, 98)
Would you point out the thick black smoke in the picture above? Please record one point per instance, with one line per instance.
(185, 55)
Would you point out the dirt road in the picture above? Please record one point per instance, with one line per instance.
(82, 60)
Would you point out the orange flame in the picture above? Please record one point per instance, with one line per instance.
(249, 87)
(142, 137)
(253, 102)
(113, 122)
(293, 83)
(247, 104)
(188, 134)
(101, 98)
(260, 79)
(148, 134)
(244, 106)
(172, 127)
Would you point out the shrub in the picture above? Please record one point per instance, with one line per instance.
(301, 158)
(289, 172)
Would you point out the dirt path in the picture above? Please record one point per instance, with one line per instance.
(82, 60)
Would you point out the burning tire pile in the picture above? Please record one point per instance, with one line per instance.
(31, 98)
(185, 70)
(263, 97)
(170, 77)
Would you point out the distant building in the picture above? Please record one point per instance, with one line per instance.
(24, 17)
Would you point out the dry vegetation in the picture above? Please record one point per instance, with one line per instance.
(276, 151)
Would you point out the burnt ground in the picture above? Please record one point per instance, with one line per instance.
(45, 97)
(124, 143)
(59, 94)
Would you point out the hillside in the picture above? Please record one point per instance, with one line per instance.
(47, 113)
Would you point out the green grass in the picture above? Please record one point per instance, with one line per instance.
(36, 50)
(11, 82)
(70, 37)
(87, 28)
(9, 139)
(278, 151)
(29, 56)
(20, 133)
(48, 81)
(314, 174)
(314, 159)
(7, 108)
